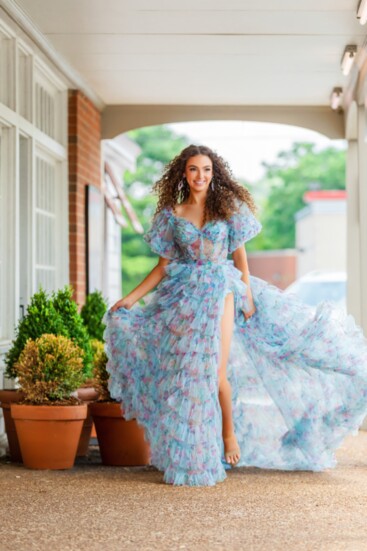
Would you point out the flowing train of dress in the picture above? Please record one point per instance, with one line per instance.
(298, 377)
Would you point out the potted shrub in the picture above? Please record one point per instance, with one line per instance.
(41, 318)
(73, 324)
(91, 313)
(76, 329)
(121, 442)
(7, 396)
(49, 420)
(56, 315)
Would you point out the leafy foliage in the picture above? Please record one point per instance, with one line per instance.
(135, 270)
(279, 194)
(295, 172)
(49, 369)
(100, 373)
(92, 313)
(159, 144)
(73, 323)
(41, 317)
(58, 316)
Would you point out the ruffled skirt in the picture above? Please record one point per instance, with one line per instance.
(298, 377)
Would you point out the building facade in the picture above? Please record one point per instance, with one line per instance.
(34, 245)
(56, 225)
(321, 232)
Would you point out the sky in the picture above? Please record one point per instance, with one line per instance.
(246, 144)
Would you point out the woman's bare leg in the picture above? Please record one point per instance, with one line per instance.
(231, 448)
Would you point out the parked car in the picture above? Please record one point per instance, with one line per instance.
(317, 286)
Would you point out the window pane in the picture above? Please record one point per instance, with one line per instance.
(45, 221)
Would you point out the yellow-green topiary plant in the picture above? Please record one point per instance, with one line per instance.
(49, 369)
(99, 370)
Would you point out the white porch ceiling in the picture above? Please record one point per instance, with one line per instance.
(203, 52)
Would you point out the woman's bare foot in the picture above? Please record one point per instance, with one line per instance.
(232, 452)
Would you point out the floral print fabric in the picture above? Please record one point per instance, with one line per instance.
(299, 378)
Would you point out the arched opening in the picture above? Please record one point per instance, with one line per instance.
(117, 119)
(297, 215)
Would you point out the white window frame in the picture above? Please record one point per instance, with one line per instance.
(17, 124)
(7, 234)
(61, 232)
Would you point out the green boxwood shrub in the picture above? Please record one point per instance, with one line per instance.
(58, 316)
(92, 313)
(41, 317)
(67, 308)
(100, 373)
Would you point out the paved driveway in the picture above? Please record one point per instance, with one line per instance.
(106, 509)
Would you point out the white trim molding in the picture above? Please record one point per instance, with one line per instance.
(20, 17)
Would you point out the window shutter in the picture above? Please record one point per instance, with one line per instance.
(45, 221)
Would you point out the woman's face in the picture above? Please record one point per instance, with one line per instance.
(199, 173)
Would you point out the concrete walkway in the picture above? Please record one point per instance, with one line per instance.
(97, 508)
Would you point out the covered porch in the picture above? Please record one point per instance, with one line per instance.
(143, 63)
(80, 72)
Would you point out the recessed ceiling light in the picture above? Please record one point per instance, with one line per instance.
(349, 55)
(362, 12)
(336, 98)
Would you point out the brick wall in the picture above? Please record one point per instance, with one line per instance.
(84, 168)
(276, 267)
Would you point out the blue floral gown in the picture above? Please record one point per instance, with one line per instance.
(298, 377)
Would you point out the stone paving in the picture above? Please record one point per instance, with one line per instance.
(98, 508)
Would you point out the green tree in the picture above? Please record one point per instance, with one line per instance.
(159, 145)
(295, 171)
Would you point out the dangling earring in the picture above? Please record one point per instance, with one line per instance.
(181, 184)
(212, 184)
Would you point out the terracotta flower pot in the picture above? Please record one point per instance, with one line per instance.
(86, 395)
(121, 442)
(85, 435)
(6, 398)
(48, 435)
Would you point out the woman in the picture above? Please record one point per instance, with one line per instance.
(221, 368)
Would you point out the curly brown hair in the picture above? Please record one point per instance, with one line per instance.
(220, 204)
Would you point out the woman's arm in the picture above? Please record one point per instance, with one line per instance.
(240, 261)
(151, 281)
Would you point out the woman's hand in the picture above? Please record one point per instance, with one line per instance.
(122, 303)
(252, 309)
(240, 261)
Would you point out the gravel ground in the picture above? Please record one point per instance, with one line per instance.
(98, 508)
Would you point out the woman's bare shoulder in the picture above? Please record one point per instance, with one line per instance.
(178, 209)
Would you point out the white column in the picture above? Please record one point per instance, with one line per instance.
(362, 180)
(353, 233)
(356, 181)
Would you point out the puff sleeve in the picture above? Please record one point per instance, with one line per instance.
(243, 226)
(160, 236)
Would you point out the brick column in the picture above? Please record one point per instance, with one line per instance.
(84, 168)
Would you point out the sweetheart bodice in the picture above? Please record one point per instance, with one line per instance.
(176, 238)
(207, 243)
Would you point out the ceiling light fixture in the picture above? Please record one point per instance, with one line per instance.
(362, 12)
(336, 98)
(349, 55)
